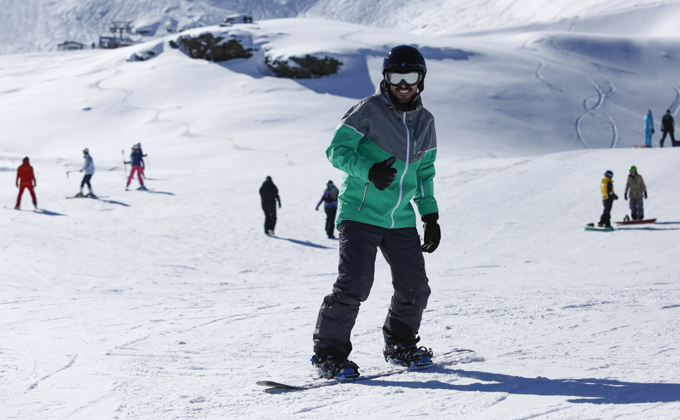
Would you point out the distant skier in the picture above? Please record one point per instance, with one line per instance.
(269, 195)
(330, 197)
(143, 168)
(26, 179)
(137, 162)
(668, 127)
(636, 186)
(608, 197)
(649, 128)
(88, 168)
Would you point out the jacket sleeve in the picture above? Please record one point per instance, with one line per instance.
(342, 152)
(424, 197)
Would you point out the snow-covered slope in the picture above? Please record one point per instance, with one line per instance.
(172, 303)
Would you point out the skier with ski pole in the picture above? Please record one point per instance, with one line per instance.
(137, 162)
(146, 161)
(88, 167)
(26, 180)
(386, 145)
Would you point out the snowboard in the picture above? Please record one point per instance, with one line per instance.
(449, 358)
(636, 222)
(591, 226)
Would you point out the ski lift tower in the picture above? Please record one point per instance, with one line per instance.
(121, 30)
(121, 35)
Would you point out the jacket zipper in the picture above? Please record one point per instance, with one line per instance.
(364, 199)
(401, 181)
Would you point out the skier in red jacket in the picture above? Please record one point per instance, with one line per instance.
(26, 179)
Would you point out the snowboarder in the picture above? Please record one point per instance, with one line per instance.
(668, 127)
(637, 189)
(269, 195)
(649, 128)
(137, 162)
(608, 197)
(26, 179)
(386, 145)
(330, 197)
(88, 167)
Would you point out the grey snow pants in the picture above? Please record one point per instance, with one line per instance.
(358, 248)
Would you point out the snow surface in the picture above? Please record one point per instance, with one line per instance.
(172, 303)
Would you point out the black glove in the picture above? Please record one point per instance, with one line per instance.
(615, 197)
(645, 194)
(652, 131)
(433, 234)
(625, 196)
(382, 174)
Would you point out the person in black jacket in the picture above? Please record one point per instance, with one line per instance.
(668, 127)
(270, 195)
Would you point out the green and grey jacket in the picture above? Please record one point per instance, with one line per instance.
(370, 132)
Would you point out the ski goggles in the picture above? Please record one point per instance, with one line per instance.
(408, 79)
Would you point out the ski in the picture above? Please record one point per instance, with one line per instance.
(39, 211)
(449, 358)
(92, 197)
(636, 222)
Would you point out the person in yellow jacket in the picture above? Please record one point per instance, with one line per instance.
(635, 190)
(608, 197)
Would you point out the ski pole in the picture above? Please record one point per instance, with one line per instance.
(122, 152)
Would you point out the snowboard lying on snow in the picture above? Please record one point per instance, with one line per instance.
(636, 222)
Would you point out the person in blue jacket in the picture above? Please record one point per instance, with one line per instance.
(649, 128)
(330, 196)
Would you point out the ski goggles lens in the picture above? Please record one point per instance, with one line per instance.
(408, 79)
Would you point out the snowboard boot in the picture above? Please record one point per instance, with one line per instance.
(408, 356)
(332, 368)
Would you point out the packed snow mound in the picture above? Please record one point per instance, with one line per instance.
(34, 25)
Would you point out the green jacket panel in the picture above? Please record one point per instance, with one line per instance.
(370, 132)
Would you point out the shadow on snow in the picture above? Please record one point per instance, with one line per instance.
(305, 243)
(48, 213)
(592, 391)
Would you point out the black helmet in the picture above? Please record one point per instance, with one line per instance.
(608, 174)
(25, 159)
(405, 59)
